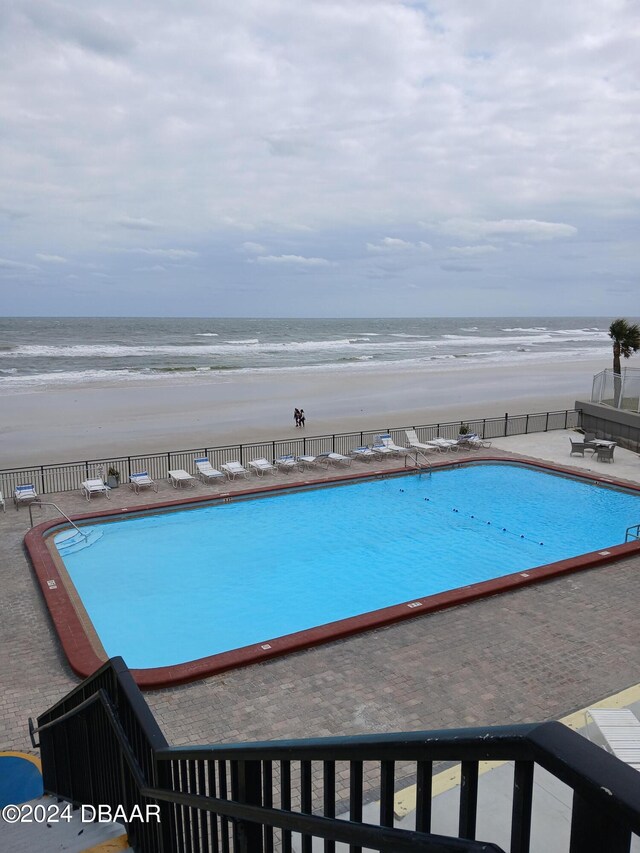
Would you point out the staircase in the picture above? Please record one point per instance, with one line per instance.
(102, 745)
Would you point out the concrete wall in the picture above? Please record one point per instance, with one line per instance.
(614, 424)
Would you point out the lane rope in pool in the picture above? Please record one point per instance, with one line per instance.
(495, 526)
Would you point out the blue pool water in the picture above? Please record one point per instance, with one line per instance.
(169, 588)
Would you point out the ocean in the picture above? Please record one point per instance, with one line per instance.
(37, 352)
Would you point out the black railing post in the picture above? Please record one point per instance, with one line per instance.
(506, 422)
(566, 418)
(522, 803)
(526, 426)
(247, 781)
(167, 819)
(594, 831)
(468, 799)
(546, 424)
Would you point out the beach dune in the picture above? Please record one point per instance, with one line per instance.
(94, 421)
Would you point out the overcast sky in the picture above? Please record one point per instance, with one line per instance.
(296, 158)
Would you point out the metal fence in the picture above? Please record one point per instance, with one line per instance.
(618, 390)
(67, 476)
(310, 794)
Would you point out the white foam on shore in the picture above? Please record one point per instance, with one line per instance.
(358, 363)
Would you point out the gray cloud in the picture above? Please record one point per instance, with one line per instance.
(293, 259)
(317, 128)
(134, 224)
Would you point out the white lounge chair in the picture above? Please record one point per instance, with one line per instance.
(205, 470)
(334, 459)
(288, 463)
(95, 486)
(234, 469)
(142, 480)
(262, 466)
(414, 441)
(24, 494)
(179, 477)
(444, 445)
(364, 453)
(473, 442)
(620, 729)
(307, 461)
(385, 440)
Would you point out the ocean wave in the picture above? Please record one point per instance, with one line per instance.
(470, 329)
(247, 341)
(207, 335)
(563, 336)
(526, 329)
(446, 361)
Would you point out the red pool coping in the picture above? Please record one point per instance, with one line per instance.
(84, 660)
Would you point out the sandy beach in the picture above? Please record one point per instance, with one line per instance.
(86, 422)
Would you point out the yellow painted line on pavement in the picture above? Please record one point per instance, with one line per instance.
(32, 758)
(111, 846)
(405, 800)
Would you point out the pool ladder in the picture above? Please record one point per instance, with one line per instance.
(422, 464)
(633, 533)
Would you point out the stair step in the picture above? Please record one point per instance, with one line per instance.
(58, 834)
(70, 541)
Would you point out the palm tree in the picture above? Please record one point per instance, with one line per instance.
(626, 340)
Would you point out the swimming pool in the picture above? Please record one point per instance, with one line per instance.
(166, 589)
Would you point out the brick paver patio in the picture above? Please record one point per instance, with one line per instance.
(533, 654)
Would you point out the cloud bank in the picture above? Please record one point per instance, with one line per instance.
(358, 142)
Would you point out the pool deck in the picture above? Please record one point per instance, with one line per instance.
(537, 653)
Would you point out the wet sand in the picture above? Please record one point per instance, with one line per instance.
(90, 422)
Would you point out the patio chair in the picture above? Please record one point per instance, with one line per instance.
(95, 486)
(262, 466)
(4, 509)
(205, 470)
(577, 447)
(334, 459)
(24, 494)
(288, 463)
(234, 469)
(620, 729)
(414, 441)
(444, 445)
(386, 440)
(605, 454)
(383, 449)
(364, 453)
(307, 461)
(142, 480)
(473, 442)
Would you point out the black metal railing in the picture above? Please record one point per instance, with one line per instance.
(101, 746)
(67, 476)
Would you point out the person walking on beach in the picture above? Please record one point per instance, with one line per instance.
(296, 416)
(301, 418)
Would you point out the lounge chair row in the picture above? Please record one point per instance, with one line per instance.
(470, 441)
(382, 446)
